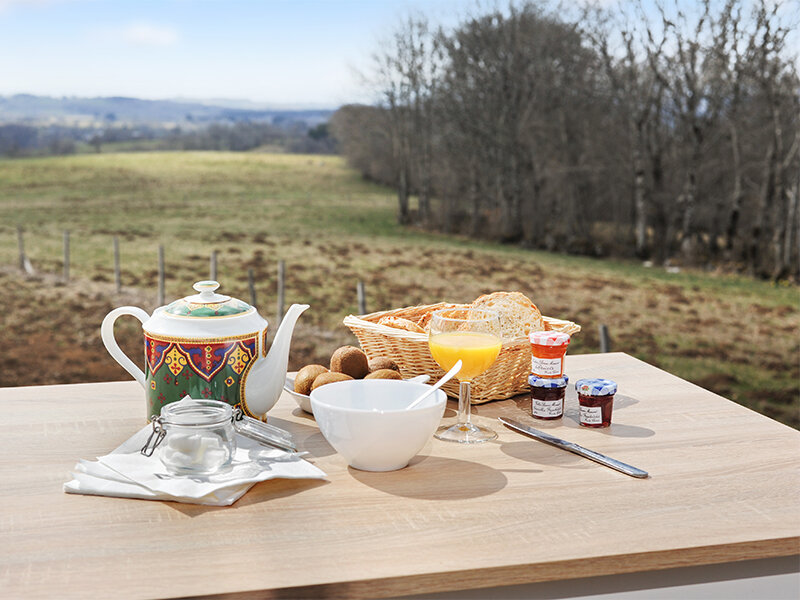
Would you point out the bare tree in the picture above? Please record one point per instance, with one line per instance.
(669, 137)
(637, 83)
(406, 73)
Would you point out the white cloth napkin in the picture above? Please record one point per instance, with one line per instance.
(127, 473)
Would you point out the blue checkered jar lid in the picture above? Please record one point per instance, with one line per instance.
(545, 382)
(596, 387)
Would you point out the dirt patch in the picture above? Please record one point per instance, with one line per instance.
(719, 383)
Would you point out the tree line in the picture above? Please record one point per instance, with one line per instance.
(665, 133)
(21, 139)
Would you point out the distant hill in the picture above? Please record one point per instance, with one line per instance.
(26, 108)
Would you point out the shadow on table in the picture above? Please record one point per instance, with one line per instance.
(543, 454)
(436, 478)
(261, 492)
(301, 414)
(307, 437)
(572, 419)
(521, 411)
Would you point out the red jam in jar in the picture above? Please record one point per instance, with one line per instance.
(596, 399)
(547, 397)
(547, 353)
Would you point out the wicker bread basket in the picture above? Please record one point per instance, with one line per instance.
(507, 377)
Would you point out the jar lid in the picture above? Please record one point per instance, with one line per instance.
(549, 338)
(596, 387)
(207, 303)
(190, 412)
(544, 382)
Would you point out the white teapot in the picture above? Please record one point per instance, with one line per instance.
(207, 346)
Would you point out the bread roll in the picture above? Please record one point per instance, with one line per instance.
(327, 378)
(384, 374)
(306, 376)
(351, 361)
(382, 362)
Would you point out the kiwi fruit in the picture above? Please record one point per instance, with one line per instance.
(306, 376)
(329, 377)
(384, 374)
(350, 361)
(382, 362)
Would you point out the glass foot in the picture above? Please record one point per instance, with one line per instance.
(464, 433)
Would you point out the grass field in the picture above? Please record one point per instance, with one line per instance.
(733, 335)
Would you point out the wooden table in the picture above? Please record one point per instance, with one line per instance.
(724, 487)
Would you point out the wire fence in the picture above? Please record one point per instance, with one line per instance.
(28, 269)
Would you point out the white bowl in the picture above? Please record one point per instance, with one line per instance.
(304, 402)
(366, 422)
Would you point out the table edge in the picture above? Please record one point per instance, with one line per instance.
(521, 574)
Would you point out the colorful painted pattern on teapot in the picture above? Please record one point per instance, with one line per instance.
(230, 308)
(213, 369)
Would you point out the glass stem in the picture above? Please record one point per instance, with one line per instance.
(464, 408)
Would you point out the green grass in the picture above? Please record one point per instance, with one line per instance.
(186, 201)
(333, 228)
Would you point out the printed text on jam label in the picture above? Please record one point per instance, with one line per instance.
(591, 415)
(547, 408)
(548, 367)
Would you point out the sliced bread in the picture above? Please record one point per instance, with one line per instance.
(518, 315)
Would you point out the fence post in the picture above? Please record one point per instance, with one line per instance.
(362, 298)
(251, 283)
(21, 246)
(213, 268)
(117, 274)
(161, 294)
(605, 343)
(24, 264)
(66, 256)
(281, 289)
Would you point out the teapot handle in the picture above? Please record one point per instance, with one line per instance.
(107, 333)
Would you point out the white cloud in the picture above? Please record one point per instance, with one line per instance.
(147, 34)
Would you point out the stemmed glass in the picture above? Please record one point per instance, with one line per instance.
(471, 335)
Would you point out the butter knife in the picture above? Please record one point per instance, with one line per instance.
(573, 447)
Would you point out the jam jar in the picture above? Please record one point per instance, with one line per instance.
(547, 353)
(547, 396)
(596, 399)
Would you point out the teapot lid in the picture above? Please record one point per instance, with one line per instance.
(207, 303)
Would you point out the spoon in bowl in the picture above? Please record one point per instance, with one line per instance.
(447, 377)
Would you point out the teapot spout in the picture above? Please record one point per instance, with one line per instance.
(267, 375)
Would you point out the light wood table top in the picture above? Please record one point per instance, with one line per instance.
(724, 486)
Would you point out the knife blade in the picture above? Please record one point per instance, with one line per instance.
(573, 447)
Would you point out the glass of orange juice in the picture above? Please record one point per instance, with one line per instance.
(471, 335)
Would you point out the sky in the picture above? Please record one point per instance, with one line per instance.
(303, 53)
(277, 53)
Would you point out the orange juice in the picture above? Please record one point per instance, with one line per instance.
(476, 350)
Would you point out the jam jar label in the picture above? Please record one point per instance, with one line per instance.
(546, 367)
(592, 415)
(547, 409)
